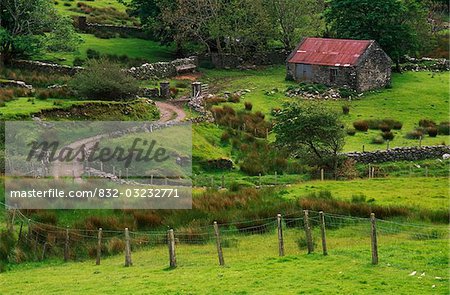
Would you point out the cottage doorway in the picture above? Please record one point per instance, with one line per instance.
(303, 72)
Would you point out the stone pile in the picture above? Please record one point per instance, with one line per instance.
(426, 64)
(330, 94)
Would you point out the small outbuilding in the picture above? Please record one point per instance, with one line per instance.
(356, 64)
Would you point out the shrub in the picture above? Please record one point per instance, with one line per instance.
(427, 123)
(374, 124)
(6, 94)
(361, 125)
(444, 128)
(384, 127)
(248, 106)
(78, 62)
(416, 134)
(225, 137)
(104, 80)
(302, 243)
(387, 135)
(378, 140)
(397, 125)
(351, 131)
(345, 109)
(92, 54)
(234, 98)
(432, 131)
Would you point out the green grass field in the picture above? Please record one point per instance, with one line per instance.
(417, 192)
(413, 96)
(252, 267)
(148, 50)
(112, 11)
(23, 106)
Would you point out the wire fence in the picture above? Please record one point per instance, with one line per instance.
(296, 233)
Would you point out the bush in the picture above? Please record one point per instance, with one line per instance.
(225, 137)
(387, 135)
(92, 54)
(104, 80)
(427, 123)
(432, 131)
(444, 128)
(397, 125)
(374, 124)
(234, 98)
(384, 127)
(416, 134)
(78, 62)
(361, 125)
(378, 140)
(248, 106)
(345, 109)
(351, 131)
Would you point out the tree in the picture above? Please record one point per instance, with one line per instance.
(297, 19)
(104, 80)
(22, 25)
(400, 27)
(63, 37)
(310, 132)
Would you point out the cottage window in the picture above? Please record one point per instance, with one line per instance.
(333, 75)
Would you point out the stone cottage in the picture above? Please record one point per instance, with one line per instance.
(357, 64)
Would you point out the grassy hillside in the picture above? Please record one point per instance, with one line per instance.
(150, 51)
(407, 265)
(413, 96)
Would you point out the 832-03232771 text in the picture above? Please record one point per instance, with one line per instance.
(97, 193)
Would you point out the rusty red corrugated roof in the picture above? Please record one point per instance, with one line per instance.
(330, 52)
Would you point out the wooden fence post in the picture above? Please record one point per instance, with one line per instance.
(44, 248)
(308, 233)
(219, 245)
(370, 171)
(426, 171)
(66, 246)
(20, 233)
(223, 181)
(172, 254)
(373, 236)
(280, 236)
(128, 261)
(322, 231)
(322, 177)
(99, 246)
(373, 172)
(259, 179)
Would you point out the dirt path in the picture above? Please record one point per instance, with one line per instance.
(170, 112)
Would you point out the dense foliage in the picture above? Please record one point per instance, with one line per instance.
(104, 80)
(400, 27)
(311, 132)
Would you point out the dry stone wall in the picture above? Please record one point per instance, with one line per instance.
(401, 154)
